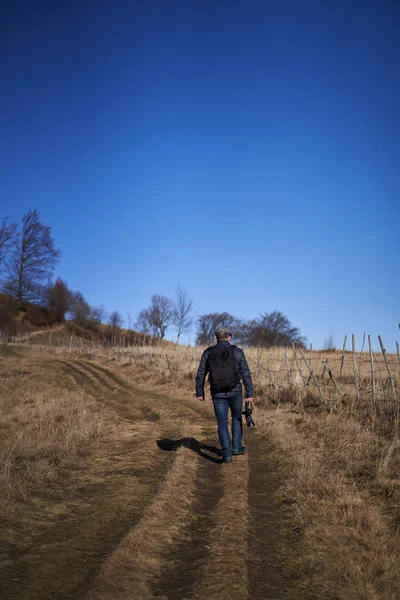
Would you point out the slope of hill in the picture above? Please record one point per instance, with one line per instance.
(113, 487)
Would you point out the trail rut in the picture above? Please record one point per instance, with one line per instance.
(218, 536)
(179, 577)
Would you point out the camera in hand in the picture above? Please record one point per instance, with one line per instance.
(247, 415)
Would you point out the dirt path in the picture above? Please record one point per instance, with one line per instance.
(154, 514)
(45, 331)
(179, 577)
(266, 576)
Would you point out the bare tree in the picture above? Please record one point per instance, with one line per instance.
(269, 329)
(143, 322)
(102, 313)
(183, 315)
(58, 298)
(207, 325)
(33, 259)
(115, 319)
(272, 329)
(329, 343)
(8, 236)
(157, 317)
(97, 313)
(79, 308)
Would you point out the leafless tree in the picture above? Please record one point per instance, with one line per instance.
(79, 308)
(58, 298)
(115, 319)
(97, 314)
(33, 259)
(102, 313)
(183, 315)
(329, 343)
(272, 329)
(207, 325)
(157, 317)
(143, 322)
(8, 236)
(269, 329)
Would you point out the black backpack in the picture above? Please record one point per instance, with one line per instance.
(222, 368)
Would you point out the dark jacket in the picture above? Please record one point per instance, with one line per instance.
(243, 369)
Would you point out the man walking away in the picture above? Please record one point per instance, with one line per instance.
(227, 367)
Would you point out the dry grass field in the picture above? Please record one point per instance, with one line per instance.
(112, 486)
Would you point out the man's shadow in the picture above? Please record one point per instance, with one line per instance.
(192, 444)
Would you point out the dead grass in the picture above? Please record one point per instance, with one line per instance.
(318, 381)
(44, 428)
(340, 465)
(344, 546)
(224, 573)
(76, 472)
(43, 435)
(340, 462)
(133, 568)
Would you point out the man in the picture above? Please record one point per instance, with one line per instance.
(230, 396)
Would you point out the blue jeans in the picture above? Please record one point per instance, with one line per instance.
(221, 406)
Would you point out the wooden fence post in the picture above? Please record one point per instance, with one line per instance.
(271, 376)
(361, 351)
(332, 377)
(372, 375)
(259, 352)
(297, 365)
(353, 345)
(312, 374)
(342, 360)
(288, 370)
(388, 369)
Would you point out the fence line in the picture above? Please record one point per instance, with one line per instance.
(273, 371)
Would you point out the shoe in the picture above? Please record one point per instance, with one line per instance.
(227, 459)
(240, 450)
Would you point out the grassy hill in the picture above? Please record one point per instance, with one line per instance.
(112, 485)
(40, 324)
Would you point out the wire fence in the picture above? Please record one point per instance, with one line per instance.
(346, 371)
(360, 381)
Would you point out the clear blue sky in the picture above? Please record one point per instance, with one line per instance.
(249, 150)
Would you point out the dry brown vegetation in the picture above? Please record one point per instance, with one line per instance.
(343, 489)
(44, 427)
(109, 513)
(144, 552)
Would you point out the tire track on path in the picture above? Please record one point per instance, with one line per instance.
(181, 570)
(85, 373)
(178, 408)
(143, 521)
(223, 572)
(110, 491)
(138, 560)
(109, 374)
(174, 413)
(265, 571)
